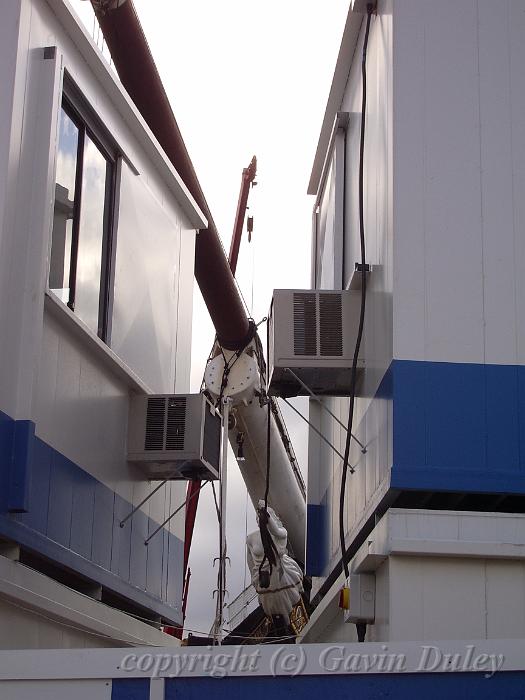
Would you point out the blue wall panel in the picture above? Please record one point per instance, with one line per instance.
(316, 539)
(60, 500)
(164, 578)
(154, 564)
(503, 420)
(121, 549)
(409, 435)
(130, 689)
(103, 525)
(458, 427)
(455, 417)
(36, 517)
(82, 513)
(6, 447)
(21, 466)
(74, 520)
(175, 556)
(521, 415)
(435, 686)
(139, 551)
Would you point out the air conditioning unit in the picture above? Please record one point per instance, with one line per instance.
(174, 436)
(313, 333)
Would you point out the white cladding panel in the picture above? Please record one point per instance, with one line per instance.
(438, 574)
(8, 66)
(373, 415)
(487, 600)
(38, 28)
(81, 409)
(147, 282)
(22, 629)
(79, 404)
(377, 187)
(57, 690)
(431, 598)
(444, 214)
(28, 125)
(459, 181)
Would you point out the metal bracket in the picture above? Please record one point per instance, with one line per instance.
(312, 426)
(146, 541)
(319, 401)
(144, 500)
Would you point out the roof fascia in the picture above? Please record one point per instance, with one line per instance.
(335, 98)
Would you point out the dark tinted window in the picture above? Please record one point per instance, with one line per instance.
(81, 243)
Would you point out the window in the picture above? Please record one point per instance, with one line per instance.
(329, 218)
(81, 244)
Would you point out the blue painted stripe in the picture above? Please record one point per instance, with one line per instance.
(316, 539)
(60, 499)
(103, 507)
(139, 551)
(37, 514)
(74, 520)
(63, 556)
(130, 689)
(458, 427)
(6, 448)
(431, 686)
(16, 458)
(21, 463)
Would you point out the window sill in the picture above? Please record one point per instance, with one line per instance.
(67, 319)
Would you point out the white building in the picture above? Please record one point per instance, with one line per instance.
(97, 236)
(434, 508)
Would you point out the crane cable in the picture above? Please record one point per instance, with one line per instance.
(369, 8)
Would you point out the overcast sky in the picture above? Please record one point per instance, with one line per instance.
(245, 78)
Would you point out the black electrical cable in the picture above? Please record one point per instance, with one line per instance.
(270, 550)
(363, 301)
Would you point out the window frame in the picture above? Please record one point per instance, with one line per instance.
(335, 167)
(84, 117)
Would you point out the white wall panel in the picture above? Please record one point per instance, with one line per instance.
(57, 690)
(409, 163)
(421, 604)
(80, 406)
(372, 416)
(27, 217)
(9, 68)
(505, 584)
(81, 410)
(458, 182)
(516, 54)
(185, 311)
(55, 372)
(487, 600)
(146, 284)
(499, 273)
(22, 629)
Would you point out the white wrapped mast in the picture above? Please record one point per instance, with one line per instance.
(248, 435)
(283, 583)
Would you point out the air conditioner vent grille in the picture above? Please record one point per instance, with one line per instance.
(330, 325)
(155, 414)
(305, 324)
(176, 423)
